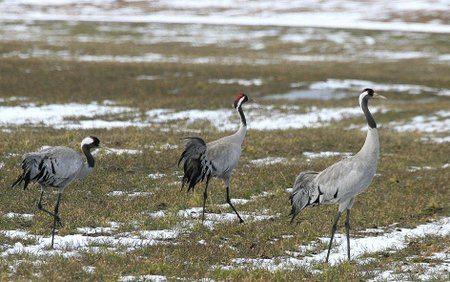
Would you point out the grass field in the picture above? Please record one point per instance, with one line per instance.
(129, 221)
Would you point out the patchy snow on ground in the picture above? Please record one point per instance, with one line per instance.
(257, 117)
(71, 245)
(315, 155)
(114, 151)
(438, 122)
(212, 219)
(149, 77)
(239, 81)
(157, 214)
(12, 99)
(230, 60)
(416, 168)
(60, 115)
(425, 271)
(128, 194)
(13, 215)
(147, 277)
(268, 161)
(357, 85)
(156, 175)
(433, 139)
(333, 14)
(397, 240)
(85, 116)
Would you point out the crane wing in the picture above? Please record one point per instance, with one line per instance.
(51, 167)
(196, 166)
(304, 192)
(341, 180)
(224, 156)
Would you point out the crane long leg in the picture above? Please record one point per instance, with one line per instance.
(40, 207)
(56, 219)
(205, 196)
(229, 202)
(333, 230)
(347, 229)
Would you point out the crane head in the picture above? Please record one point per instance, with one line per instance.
(369, 93)
(240, 99)
(372, 94)
(91, 142)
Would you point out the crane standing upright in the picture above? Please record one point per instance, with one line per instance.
(344, 180)
(56, 167)
(214, 159)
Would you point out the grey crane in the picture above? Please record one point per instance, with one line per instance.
(56, 167)
(214, 159)
(343, 181)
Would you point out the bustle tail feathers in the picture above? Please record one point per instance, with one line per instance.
(196, 166)
(303, 193)
(31, 165)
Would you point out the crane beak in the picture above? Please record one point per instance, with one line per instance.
(378, 96)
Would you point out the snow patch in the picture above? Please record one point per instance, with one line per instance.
(243, 82)
(59, 115)
(359, 246)
(268, 161)
(128, 194)
(438, 122)
(156, 175)
(359, 85)
(123, 151)
(13, 215)
(147, 277)
(326, 154)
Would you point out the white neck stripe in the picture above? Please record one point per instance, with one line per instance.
(240, 102)
(361, 97)
(87, 140)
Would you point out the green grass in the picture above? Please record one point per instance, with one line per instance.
(396, 196)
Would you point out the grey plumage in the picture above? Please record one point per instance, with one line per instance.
(217, 159)
(56, 167)
(343, 181)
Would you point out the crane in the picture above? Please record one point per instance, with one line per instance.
(216, 159)
(56, 167)
(343, 181)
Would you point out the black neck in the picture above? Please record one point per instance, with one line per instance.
(241, 113)
(369, 117)
(89, 157)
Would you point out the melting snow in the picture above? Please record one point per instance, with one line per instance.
(211, 219)
(268, 161)
(423, 271)
(244, 82)
(13, 215)
(360, 246)
(431, 139)
(129, 194)
(438, 122)
(148, 77)
(156, 175)
(147, 277)
(314, 155)
(122, 151)
(257, 117)
(340, 14)
(416, 168)
(79, 242)
(56, 115)
(358, 85)
(157, 214)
